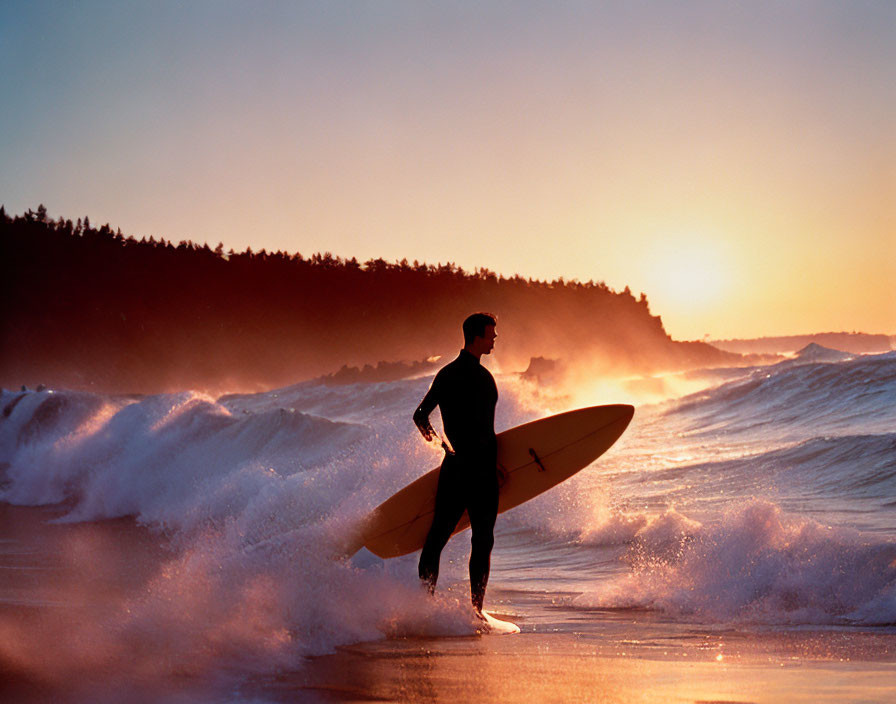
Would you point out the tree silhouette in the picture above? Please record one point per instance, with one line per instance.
(88, 307)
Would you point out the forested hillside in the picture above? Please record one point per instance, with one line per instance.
(88, 307)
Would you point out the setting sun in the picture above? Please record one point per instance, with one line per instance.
(687, 276)
(689, 273)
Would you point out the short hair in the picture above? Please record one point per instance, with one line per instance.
(475, 325)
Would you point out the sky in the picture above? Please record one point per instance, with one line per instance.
(734, 161)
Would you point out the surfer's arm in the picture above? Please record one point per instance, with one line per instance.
(427, 405)
(421, 420)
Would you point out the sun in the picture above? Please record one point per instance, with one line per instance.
(688, 273)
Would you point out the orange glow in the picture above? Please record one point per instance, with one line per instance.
(540, 144)
(689, 273)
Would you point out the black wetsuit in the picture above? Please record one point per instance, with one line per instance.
(466, 394)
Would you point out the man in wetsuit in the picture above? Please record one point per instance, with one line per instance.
(466, 395)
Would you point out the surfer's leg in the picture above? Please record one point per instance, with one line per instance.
(483, 510)
(449, 509)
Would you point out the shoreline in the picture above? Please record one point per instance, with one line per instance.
(47, 597)
(572, 668)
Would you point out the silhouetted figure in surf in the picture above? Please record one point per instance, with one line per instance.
(466, 395)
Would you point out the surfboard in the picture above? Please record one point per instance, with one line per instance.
(537, 456)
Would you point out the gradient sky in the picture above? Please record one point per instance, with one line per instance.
(734, 161)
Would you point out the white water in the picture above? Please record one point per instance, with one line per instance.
(769, 499)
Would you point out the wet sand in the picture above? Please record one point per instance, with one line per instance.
(608, 657)
(61, 585)
(59, 582)
(569, 668)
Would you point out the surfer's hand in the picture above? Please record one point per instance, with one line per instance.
(427, 431)
(501, 471)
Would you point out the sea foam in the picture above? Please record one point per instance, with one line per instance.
(757, 565)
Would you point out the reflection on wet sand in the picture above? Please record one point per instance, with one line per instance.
(576, 668)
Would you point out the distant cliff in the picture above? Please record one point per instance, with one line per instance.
(88, 307)
(853, 342)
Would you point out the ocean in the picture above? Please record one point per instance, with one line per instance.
(193, 540)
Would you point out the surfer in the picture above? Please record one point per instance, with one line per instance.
(466, 395)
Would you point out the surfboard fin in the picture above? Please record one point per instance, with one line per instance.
(541, 467)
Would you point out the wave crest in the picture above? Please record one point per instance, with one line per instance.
(759, 566)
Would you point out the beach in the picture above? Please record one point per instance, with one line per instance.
(560, 656)
(583, 668)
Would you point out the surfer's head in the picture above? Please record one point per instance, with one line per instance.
(479, 333)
